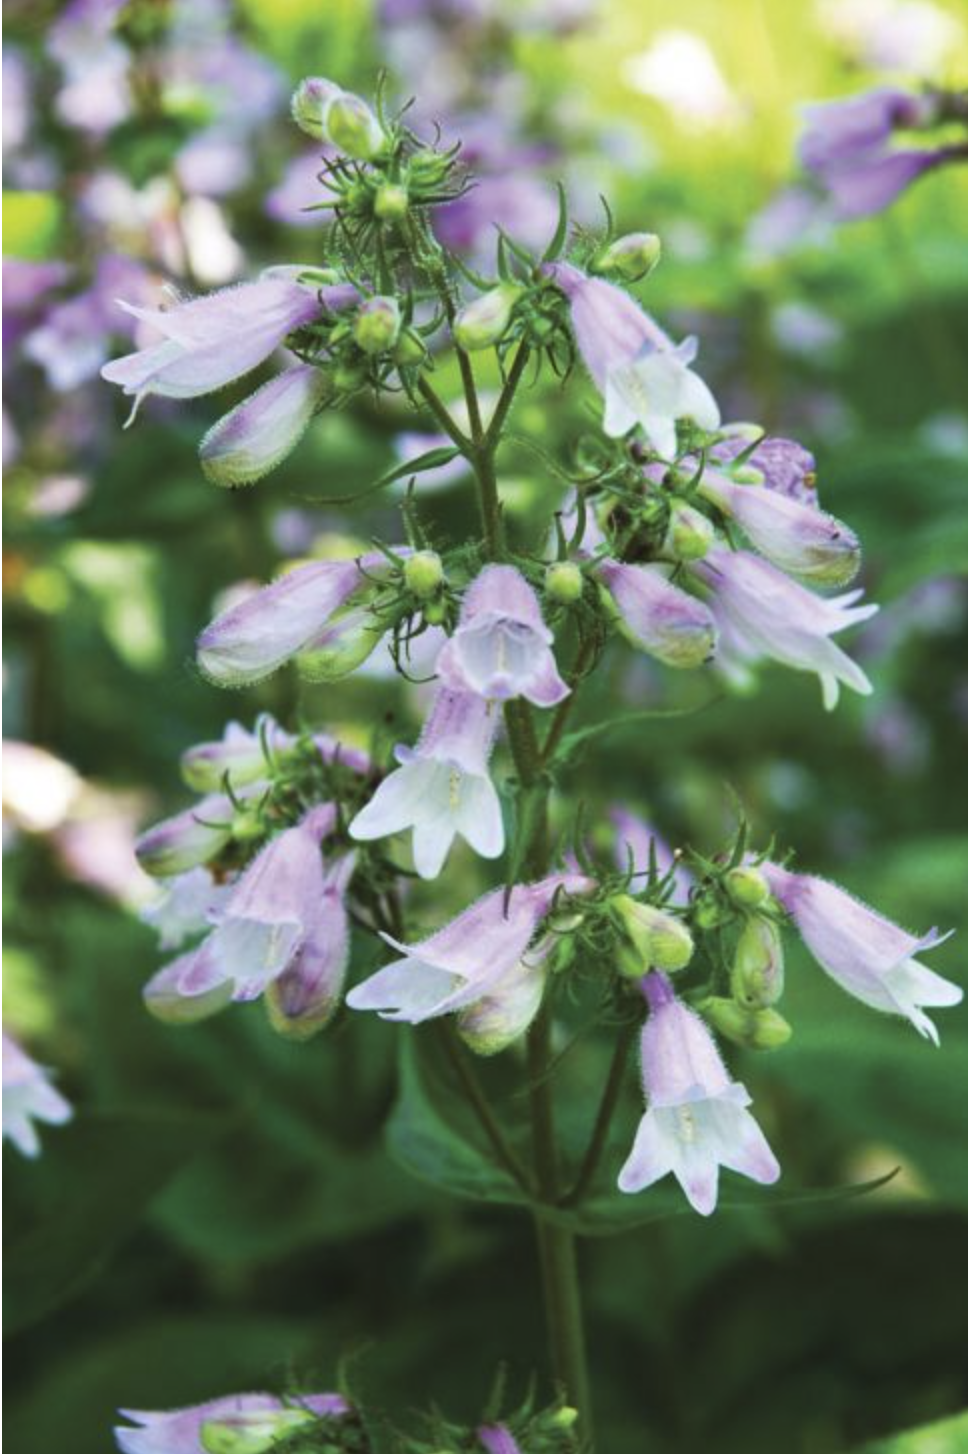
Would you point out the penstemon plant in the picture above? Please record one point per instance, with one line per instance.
(698, 543)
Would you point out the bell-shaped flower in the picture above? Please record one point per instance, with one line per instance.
(267, 918)
(240, 756)
(187, 840)
(643, 377)
(696, 1118)
(305, 997)
(765, 613)
(251, 640)
(257, 435)
(263, 1417)
(796, 537)
(505, 1013)
(209, 342)
(868, 956)
(28, 1096)
(502, 648)
(657, 616)
(185, 907)
(463, 962)
(441, 789)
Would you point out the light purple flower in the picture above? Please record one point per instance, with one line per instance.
(258, 434)
(643, 377)
(304, 998)
(762, 612)
(180, 1431)
(696, 1118)
(239, 755)
(210, 341)
(96, 95)
(502, 647)
(251, 640)
(873, 183)
(28, 1096)
(871, 958)
(185, 907)
(796, 537)
(187, 840)
(463, 962)
(505, 1013)
(659, 617)
(442, 788)
(636, 842)
(786, 466)
(267, 918)
(290, 200)
(497, 1439)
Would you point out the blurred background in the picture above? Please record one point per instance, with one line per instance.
(222, 1214)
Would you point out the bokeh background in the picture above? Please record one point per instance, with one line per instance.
(222, 1213)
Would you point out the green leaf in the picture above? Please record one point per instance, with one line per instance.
(432, 459)
(950, 1436)
(553, 250)
(85, 1195)
(573, 743)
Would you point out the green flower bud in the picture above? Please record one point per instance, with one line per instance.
(630, 258)
(344, 644)
(391, 203)
(564, 582)
(347, 377)
(309, 104)
(423, 573)
(656, 939)
(746, 886)
(762, 1029)
(770, 1030)
(377, 324)
(410, 349)
(485, 321)
(426, 168)
(252, 1433)
(709, 913)
(353, 129)
(563, 1418)
(435, 612)
(756, 977)
(690, 533)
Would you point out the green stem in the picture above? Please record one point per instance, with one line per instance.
(502, 1149)
(563, 711)
(443, 417)
(504, 403)
(603, 1120)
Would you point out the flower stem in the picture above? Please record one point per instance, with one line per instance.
(501, 1147)
(603, 1120)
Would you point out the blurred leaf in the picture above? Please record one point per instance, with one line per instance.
(31, 223)
(950, 1436)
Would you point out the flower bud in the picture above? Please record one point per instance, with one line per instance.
(630, 258)
(348, 377)
(345, 642)
(756, 978)
(258, 434)
(564, 1418)
(377, 324)
(435, 612)
(164, 1000)
(746, 886)
(423, 574)
(762, 1029)
(564, 582)
(493, 1023)
(353, 128)
(391, 203)
(485, 321)
(690, 533)
(309, 104)
(657, 940)
(190, 838)
(709, 912)
(252, 1433)
(410, 349)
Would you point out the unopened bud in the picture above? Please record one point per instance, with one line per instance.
(427, 167)
(708, 912)
(353, 129)
(310, 101)
(762, 1029)
(630, 258)
(485, 321)
(347, 377)
(252, 1433)
(564, 582)
(690, 533)
(423, 573)
(756, 978)
(563, 1418)
(377, 324)
(657, 939)
(410, 349)
(391, 203)
(344, 644)
(746, 886)
(435, 612)
(493, 1023)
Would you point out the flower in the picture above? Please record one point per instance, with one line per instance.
(502, 648)
(871, 958)
(786, 466)
(251, 640)
(258, 434)
(504, 1014)
(305, 996)
(696, 1118)
(185, 907)
(266, 920)
(208, 342)
(497, 1439)
(240, 756)
(441, 788)
(657, 616)
(28, 1096)
(796, 537)
(761, 612)
(643, 377)
(188, 839)
(463, 962)
(183, 1431)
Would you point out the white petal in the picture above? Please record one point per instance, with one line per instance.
(407, 989)
(479, 818)
(650, 1159)
(432, 839)
(400, 801)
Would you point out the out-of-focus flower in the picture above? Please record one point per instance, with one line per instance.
(462, 963)
(73, 340)
(762, 612)
(442, 788)
(643, 378)
(502, 647)
(28, 1096)
(38, 788)
(497, 1439)
(96, 95)
(636, 843)
(659, 617)
(256, 1420)
(871, 958)
(914, 36)
(680, 70)
(696, 1118)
